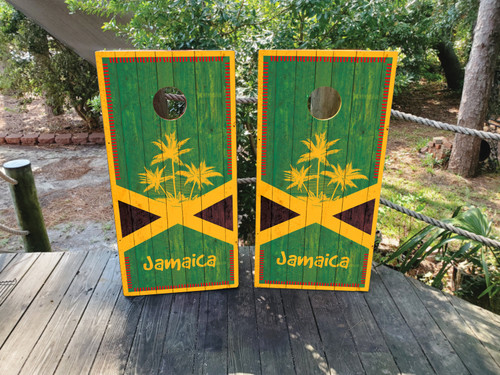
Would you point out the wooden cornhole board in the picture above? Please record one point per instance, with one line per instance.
(319, 181)
(173, 181)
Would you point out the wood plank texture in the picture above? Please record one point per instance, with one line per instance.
(168, 173)
(470, 350)
(400, 326)
(28, 286)
(398, 336)
(342, 357)
(35, 318)
(318, 175)
(434, 344)
(53, 342)
(84, 344)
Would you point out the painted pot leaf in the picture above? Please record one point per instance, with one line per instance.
(169, 120)
(323, 118)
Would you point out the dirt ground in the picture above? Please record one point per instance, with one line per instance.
(73, 182)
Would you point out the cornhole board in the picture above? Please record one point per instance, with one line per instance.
(173, 182)
(319, 181)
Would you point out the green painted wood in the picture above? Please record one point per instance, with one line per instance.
(149, 129)
(116, 120)
(338, 130)
(180, 341)
(35, 319)
(341, 358)
(165, 78)
(30, 275)
(320, 161)
(470, 350)
(152, 325)
(188, 128)
(28, 211)
(302, 126)
(52, 343)
(398, 336)
(243, 344)
(209, 134)
(82, 349)
(371, 346)
(134, 148)
(283, 131)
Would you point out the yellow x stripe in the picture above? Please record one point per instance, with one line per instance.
(172, 214)
(323, 214)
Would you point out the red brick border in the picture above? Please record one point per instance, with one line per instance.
(96, 138)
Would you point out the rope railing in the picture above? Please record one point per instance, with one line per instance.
(445, 126)
(10, 180)
(395, 114)
(17, 232)
(429, 220)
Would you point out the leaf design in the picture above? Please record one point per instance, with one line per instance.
(198, 175)
(343, 177)
(153, 179)
(318, 150)
(298, 177)
(171, 151)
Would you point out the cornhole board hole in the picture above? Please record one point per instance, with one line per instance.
(323, 118)
(169, 121)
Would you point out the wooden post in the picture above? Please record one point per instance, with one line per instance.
(29, 214)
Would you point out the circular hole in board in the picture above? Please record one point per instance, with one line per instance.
(169, 103)
(324, 103)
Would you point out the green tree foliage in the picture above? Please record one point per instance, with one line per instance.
(36, 63)
(414, 28)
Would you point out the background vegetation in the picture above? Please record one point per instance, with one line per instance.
(433, 38)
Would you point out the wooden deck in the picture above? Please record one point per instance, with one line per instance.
(66, 314)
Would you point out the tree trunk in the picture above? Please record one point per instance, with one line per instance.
(449, 62)
(478, 83)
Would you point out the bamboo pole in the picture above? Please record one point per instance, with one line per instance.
(29, 213)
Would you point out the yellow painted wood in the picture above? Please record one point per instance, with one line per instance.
(206, 139)
(358, 133)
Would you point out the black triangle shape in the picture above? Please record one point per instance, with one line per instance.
(360, 217)
(133, 218)
(272, 213)
(221, 213)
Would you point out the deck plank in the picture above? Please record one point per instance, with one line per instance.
(211, 353)
(482, 322)
(84, 344)
(398, 336)
(50, 347)
(5, 259)
(180, 340)
(113, 353)
(150, 335)
(341, 352)
(470, 350)
(307, 348)
(69, 311)
(36, 317)
(274, 342)
(243, 354)
(29, 283)
(434, 344)
(370, 343)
